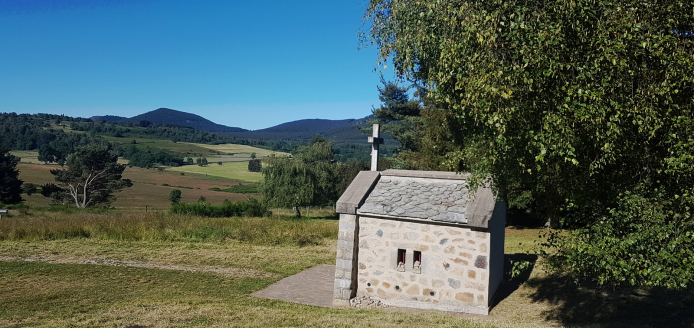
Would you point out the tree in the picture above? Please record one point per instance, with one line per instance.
(48, 154)
(309, 178)
(189, 161)
(204, 161)
(398, 115)
(423, 144)
(92, 176)
(10, 184)
(581, 110)
(175, 196)
(252, 155)
(254, 165)
(56, 193)
(29, 188)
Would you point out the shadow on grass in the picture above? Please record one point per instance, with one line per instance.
(592, 306)
(511, 284)
(575, 305)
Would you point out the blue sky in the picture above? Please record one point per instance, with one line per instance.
(250, 64)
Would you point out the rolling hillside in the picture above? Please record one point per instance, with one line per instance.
(337, 130)
(166, 116)
(349, 142)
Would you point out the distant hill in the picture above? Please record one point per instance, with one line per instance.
(166, 116)
(345, 134)
(109, 118)
(338, 130)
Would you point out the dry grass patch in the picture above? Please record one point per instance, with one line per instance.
(148, 188)
(204, 257)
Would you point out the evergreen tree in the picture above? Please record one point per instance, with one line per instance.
(92, 176)
(254, 165)
(29, 188)
(10, 184)
(398, 115)
(175, 196)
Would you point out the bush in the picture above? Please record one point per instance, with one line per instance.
(251, 207)
(240, 189)
(254, 165)
(29, 188)
(644, 241)
(175, 196)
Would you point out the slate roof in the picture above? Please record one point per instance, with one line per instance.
(419, 198)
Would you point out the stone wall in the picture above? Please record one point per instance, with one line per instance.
(346, 262)
(454, 274)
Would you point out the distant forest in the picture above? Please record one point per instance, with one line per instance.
(44, 132)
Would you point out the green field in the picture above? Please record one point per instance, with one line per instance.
(27, 156)
(228, 170)
(225, 152)
(165, 144)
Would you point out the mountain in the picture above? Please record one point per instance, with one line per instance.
(341, 132)
(166, 116)
(338, 130)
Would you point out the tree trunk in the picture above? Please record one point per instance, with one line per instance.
(296, 209)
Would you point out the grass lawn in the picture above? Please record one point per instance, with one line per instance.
(117, 269)
(229, 170)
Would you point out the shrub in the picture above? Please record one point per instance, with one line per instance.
(175, 196)
(240, 189)
(254, 165)
(250, 207)
(29, 188)
(644, 241)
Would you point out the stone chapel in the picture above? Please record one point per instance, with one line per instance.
(419, 239)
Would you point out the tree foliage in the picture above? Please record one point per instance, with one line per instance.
(175, 196)
(56, 193)
(254, 165)
(30, 188)
(10, 184)
(424, 141)
(307, 179)
(148, 157)
(92, 176)
(569, 106)
(398, 115)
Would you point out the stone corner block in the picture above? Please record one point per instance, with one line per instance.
(340, 303)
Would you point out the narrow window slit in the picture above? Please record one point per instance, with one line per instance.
(401, 259)
(417, 262)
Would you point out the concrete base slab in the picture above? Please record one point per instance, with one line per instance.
(313, 287)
